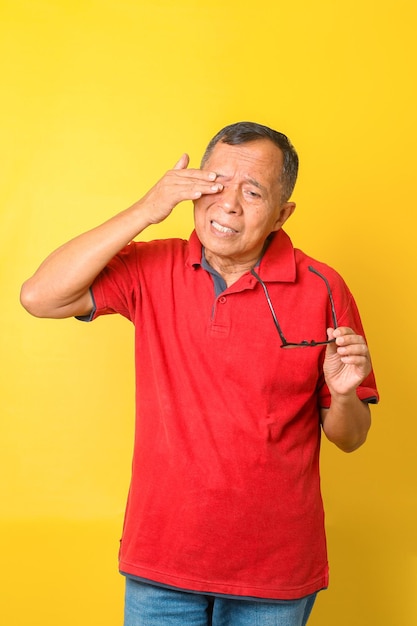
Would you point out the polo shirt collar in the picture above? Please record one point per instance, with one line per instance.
(277, 264)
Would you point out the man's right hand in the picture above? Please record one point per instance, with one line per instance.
(177, 185)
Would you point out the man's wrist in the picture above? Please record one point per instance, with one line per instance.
(344, 398)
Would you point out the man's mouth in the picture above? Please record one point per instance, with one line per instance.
(223, 229)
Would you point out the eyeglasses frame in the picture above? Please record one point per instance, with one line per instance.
(303, 344)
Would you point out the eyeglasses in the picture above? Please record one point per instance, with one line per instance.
(303, 344)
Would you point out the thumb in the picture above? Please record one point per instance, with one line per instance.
(182, 163)
(331, 347)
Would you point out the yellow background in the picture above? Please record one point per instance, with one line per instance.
(99, 99)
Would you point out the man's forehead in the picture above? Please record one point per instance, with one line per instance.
(254, 153)
(257, 162)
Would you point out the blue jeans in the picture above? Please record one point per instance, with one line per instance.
(149, 605)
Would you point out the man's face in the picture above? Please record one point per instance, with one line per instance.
(233, 224)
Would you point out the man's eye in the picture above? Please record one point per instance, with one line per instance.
(253, 194)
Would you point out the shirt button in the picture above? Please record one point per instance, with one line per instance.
(222, 299)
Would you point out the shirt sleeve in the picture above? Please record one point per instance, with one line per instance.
(117, 288)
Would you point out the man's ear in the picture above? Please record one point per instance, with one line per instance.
(286, 210)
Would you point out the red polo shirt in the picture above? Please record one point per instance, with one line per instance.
(225, 492)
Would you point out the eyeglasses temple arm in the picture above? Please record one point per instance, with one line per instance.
(329, 291)
(271, 308)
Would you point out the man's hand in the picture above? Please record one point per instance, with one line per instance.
(346, 365)
(175, 186)
(347, 361)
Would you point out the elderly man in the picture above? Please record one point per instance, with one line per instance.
(246, 348)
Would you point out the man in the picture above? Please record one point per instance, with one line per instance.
(245, 349)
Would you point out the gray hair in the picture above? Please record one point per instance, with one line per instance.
(244, 132)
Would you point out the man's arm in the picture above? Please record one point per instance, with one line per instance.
(347, 364)
(60, 287)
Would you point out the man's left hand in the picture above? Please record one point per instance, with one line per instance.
(347, 362)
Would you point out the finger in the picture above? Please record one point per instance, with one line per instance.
(360, 362)
(182, 164)
(331, 334)
(357, 349)
(356, 354)
(197, 175)
(331, 347)
(349, 339)
(342, 331)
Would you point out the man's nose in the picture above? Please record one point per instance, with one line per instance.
(229, 198)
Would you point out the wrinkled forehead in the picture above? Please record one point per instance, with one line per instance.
(259, 162)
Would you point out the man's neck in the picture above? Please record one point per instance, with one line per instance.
(230, 269)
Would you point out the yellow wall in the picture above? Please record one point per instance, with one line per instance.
(99, 98)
